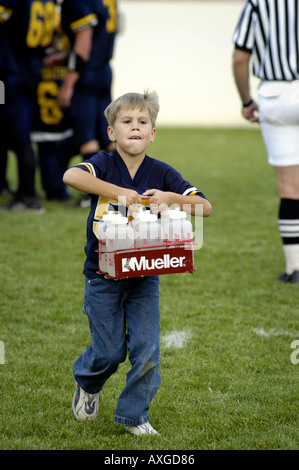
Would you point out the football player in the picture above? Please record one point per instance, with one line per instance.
(28, 31)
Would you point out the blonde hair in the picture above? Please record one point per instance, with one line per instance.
(147, 100)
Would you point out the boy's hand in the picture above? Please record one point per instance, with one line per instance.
(129, 197)
(159, 200)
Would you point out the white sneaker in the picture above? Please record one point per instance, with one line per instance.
(85, 405)
(145, 428)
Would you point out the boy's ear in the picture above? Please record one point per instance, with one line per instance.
(154, 131)
(111, 134)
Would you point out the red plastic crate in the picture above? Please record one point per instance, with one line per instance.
(163, 259)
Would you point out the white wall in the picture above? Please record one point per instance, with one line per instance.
(183, 50)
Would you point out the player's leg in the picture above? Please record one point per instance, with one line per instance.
(20, 92)
(4, 132)
(53, 165)
(104, 99)
(84, 111)
(288, 186)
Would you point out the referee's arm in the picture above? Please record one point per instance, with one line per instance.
(241, 60)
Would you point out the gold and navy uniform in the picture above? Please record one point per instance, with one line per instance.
(110, 167)
(29, 27)
(53, 133)
(93, 89)
(26, 30)
(102, 15)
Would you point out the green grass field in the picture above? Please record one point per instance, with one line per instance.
(231, 385)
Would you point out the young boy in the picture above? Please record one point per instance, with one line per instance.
(124, 315)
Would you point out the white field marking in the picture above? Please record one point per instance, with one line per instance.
(176, 339)
(272, 332)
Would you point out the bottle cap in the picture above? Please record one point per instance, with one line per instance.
(177, 215)
(139, 210)
(169, 210)
(119, 220)
(111, 215)
(146, 216)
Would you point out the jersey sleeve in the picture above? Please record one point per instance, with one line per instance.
(243, 37)
(96, 166)
(79, 15)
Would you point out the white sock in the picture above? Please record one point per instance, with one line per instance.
(291, 253)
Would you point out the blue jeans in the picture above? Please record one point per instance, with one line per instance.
(123, 315)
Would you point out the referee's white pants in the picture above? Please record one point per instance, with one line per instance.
(279, 121)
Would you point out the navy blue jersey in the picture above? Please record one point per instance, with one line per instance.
(49, 117)
(27, 31)
(101, 14)
(110, 167)
(93, 89)
(8, 61)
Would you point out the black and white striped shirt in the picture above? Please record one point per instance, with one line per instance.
(269, 30)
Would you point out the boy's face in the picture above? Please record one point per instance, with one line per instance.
(132, 132)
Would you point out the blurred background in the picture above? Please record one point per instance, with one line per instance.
(183, 50)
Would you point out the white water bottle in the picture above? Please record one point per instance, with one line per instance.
(119, 235)
(177, 227)
(148, 231)
(135, 220)
(101, 233)
(164, 218)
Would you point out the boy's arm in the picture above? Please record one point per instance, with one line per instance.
(87, 183)
(160, 199)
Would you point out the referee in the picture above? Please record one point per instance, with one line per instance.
(268, 34)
